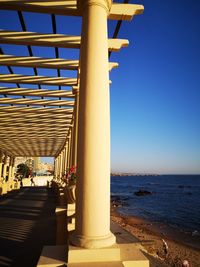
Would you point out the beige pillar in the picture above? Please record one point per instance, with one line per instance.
(13, 168)
(68, 150)
(75, 129)
(10, 168)
(71, 146)
(92, 228)
(58, 162)
(65, 159)
(56, 167)
(60, 166)
(5, 166)
(55, 162)
(1, 163)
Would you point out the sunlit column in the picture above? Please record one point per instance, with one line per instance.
(60, 166)
(71, 146)
(1, 163)
(13, 168)
(92, 228)
(57, 163)
(68, 150)
(75, 131)
(65, 160)
(10, 168)
(5, 166)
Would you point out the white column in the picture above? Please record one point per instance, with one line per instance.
(68, 151)
(71, 146)
(75, 129)
(65, 160)
(92, 228)
(5, 166)
(13, 168)
(10, 168)
(57, 162)
(60, 166)
(1, 163)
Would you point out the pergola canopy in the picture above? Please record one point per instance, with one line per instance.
(36, 111)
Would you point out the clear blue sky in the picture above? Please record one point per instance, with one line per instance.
(155, 92)
(155, 95)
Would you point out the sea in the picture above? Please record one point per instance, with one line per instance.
(174, 199)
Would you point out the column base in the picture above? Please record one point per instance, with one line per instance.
(91, 243)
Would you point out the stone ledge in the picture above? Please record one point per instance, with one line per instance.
(128, 254)
(53, 256)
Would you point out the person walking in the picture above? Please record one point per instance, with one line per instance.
(32, 182)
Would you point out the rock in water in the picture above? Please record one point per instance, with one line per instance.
(143, 193)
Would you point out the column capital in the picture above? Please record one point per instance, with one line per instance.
(106, 4)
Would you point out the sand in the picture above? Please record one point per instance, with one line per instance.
(180, 247)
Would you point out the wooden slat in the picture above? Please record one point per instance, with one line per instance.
(13, 116)
(32, 139)
(38, 62)
(125, 11)
(39, 125)
(33, 135)
(49, 63)
(36, 92)
(43, 80)
(36, 110)
(52, 40)
(30, 151)
(7, 119)
(69, 8)
(36, 102)
(33, 131)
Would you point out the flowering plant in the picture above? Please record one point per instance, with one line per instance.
(72, 172)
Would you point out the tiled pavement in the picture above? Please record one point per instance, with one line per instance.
(27, 223)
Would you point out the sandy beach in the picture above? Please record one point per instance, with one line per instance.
(150, 234)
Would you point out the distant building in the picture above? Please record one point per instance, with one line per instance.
(35, 165)
(32, 162)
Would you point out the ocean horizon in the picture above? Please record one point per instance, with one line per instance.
(172, 199)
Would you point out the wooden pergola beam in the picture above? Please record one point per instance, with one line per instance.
(69, 8)
(31, 139)
(36, 102)
(34, 124)
(36, 92)
(43, 80)
(27, 120)
(36, 110)
(14, 116)
(48, 63)
(30, 151)
(38, 62)
(52, 40)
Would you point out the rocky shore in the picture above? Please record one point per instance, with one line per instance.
(152, 234)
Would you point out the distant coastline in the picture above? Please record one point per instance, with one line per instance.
(125, 174)
(113, 174)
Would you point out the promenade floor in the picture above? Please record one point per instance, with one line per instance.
(27, 223)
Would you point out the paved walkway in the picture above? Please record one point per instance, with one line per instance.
(27, 223)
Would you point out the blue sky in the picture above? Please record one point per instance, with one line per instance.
(155, 96)
(155, 92)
